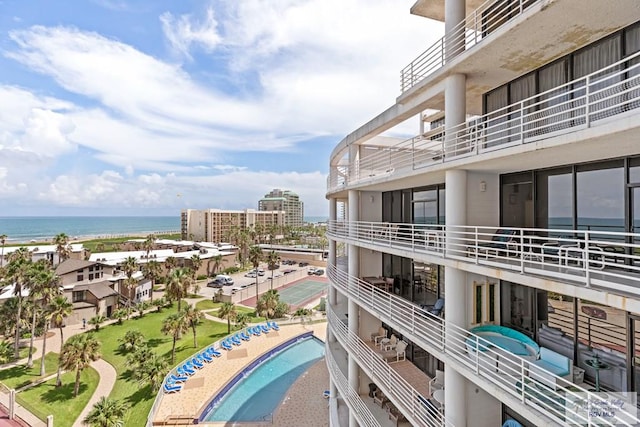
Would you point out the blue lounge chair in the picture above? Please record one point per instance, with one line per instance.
(243, 336)
(254, 330)
(205, 356)
(168, 388)
(235, 340)
(184, 370)
(226, 345)
(195, 362)
(172, 379)
(263, 328)
(273, 325)
(211, 350)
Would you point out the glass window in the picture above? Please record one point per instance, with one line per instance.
(477, 302)
(600, 197)
(554, 199)
(425, 207)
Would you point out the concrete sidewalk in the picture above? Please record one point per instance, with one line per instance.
(107, 381)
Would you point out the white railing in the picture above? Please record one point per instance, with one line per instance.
(356, 405)
(490, 16)
(405, 397)
(579, 104)
(607, 259)
(511, 373)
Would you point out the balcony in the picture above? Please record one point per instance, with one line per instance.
(477, 25)
(599, 259)
(507, 375)
(404, 393)
(604, 97)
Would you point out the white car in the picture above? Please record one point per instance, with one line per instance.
(251, 274)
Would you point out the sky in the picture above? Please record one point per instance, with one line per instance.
(147, 107)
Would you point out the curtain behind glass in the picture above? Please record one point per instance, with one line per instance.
(496, 132)
(551, 115)
(523, 88)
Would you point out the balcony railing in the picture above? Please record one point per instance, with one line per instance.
(353, 400)
(611, 91)
(607, 259)
(409, 400)
(490, 16)
(457, 346)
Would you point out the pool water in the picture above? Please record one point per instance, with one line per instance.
(255, 397)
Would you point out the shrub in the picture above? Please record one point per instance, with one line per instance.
(202, 277)
(230, 270)
(323, 305)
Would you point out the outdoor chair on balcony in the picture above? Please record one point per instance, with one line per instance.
(435, 309)
(388, 343)
(379, 398)
(396, 356)
(380, 334)
(503, 242)
(437, 382)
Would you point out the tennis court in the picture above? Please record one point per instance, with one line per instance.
(302, 291)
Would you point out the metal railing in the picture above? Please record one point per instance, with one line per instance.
(490, 16)
(405, 397)
(353, 400)
(607, 259)
(551, 396)
(579, 104)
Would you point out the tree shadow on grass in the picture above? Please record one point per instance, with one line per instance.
(30, 374)
(62, 393)
(127, 375)
(142, 394)
(154, 342)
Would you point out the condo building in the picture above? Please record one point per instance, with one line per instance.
(486, 271)
(284, 200)
(215, 225)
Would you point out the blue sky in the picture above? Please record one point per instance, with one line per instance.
(147, 107)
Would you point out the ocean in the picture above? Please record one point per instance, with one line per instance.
(25, 229)
(41, 228)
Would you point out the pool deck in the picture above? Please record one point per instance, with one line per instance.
(295, 409)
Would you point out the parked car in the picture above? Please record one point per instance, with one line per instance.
(224, 279)
(311, 270)
(303, 264)
(251, 274)
(214, 284)
(319, 272)
(289, 270)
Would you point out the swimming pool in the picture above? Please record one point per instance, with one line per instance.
(259, 391)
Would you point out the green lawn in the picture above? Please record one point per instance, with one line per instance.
(19, 376)
(45, 399)
(210, 305)
(140, 398)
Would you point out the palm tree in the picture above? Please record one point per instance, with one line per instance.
(45, 286)
(62, 246)
(77, 354)
(133, 339)
(149, 243)
(61, 308)
(6, 352)
(267, 304)
(255, 256)
(193, 316)
(153, 372)
(273, 261)
(174, 325)
(196, 263)
(170, 263)
(3, 240)
(107, 412)
(179, 284)
(217, 263)
(129, 267)
(152, 270)
(18, 272)
(96, 321)
(241, 320)
(227, 311)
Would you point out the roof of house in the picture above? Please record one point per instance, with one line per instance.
(99, 290)
(69, 265)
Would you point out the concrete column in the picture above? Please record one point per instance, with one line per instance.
(12, 404)
(354, 379)
(455, 101)
(455, 286)
(354, 271)
(50, 421)
(333, 256)
(454, 13)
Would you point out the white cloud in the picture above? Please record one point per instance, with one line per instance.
(186, 30)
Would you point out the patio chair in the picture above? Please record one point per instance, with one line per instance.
(184, 370)
(226, 345)
(173, 378)
(398, 355)
(388, 343)
(381, 333)
(243, 336)
(435, 309)
(211, 351)
(171, 388)
(437, 382)
(235, 340)
(502, 242)
(273, 325)
(263, 328)
(205, 356)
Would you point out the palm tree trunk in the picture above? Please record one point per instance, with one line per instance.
(179, 303)
(271, 287)
(228, 324)
(33, 332)
(195, 342)
(44, 350)
(76, 387)
(58, 375)
(153, 285)
(173, 350)
(16, 344)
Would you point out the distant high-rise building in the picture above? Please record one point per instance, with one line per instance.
(214, 225)
(284, 200)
